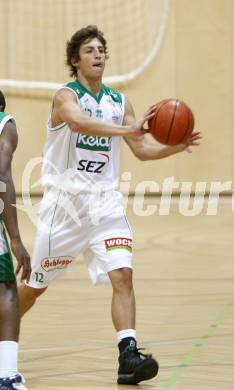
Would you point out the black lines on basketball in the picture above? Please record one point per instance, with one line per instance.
(187, 129)
(158, 109)
(173, 122)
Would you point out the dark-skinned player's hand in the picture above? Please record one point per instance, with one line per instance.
(22, 258)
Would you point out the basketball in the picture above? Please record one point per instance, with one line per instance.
(172, 123)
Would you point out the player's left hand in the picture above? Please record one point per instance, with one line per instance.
(138, 129)
(22, 257)
(193, 140)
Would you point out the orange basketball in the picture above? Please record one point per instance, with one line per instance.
(172, 123)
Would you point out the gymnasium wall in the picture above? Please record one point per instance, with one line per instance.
(195, 63)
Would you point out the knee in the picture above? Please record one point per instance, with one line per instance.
(30, 292)
(122, 279)
(8, 293)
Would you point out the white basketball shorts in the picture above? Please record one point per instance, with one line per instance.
(94, 225)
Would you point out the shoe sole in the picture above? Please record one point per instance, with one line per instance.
(147, 370)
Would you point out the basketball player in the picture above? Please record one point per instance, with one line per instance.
(9, 308)
(80, 175)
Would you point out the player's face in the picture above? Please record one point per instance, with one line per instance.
(92, 59)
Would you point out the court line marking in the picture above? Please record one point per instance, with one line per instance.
(198, 346)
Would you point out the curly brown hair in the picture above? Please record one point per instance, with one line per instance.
(77, 39)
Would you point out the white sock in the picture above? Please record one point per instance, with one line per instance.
(8, 358)
(126, 333)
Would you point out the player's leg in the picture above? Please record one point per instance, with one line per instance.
(37, 285)
(9, 321)
(55, 240)
(9, 335)
(123, 299)
(134, 367)
(9, 311)
(9, 329)
(28, 296)
(61, 236)
(45, 269)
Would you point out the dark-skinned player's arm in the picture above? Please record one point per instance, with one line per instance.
(66, 109)
(8, 144)
(145, 147)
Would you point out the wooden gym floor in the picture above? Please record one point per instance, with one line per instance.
(184, 284)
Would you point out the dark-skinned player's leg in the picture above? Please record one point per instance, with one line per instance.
(9, 312)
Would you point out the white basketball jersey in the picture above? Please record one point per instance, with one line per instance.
(77, 162)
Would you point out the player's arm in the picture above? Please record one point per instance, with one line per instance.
(8, 144)
(145, 147)
(66, 109)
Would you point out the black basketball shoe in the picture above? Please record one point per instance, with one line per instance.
(135, 366)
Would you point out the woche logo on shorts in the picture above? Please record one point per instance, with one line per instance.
(118, 243)
(53, 263)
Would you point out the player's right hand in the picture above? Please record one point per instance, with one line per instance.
(22, 257)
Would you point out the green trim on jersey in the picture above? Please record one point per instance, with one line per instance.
(75, 86)
(115, 95)
(81, 90)
(5, 118)
(59, 127)
(2, 115)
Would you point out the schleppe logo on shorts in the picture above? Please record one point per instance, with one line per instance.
(53, 263)
(102, 144)
(118, 243)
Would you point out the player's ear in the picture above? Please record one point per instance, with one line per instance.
(74, 62)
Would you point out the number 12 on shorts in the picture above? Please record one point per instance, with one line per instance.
(39, 277)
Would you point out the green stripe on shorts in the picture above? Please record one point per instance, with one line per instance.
(6, 268)
(6, 264)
